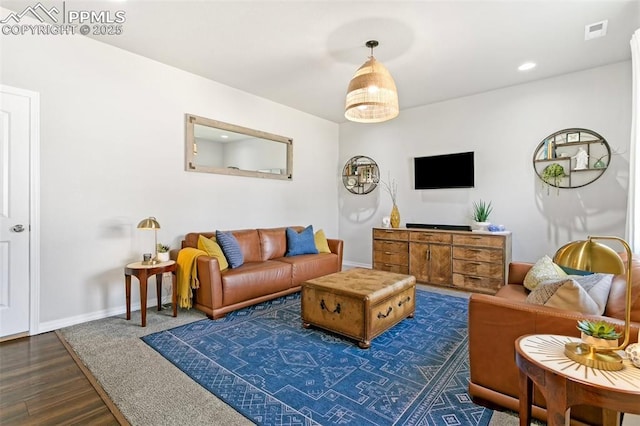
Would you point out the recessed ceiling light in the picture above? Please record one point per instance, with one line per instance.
(527, 66)
(224, 136)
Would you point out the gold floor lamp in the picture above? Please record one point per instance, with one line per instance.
(591, 256)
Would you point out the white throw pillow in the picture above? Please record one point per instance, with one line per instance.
(587, 294)
(543, 270)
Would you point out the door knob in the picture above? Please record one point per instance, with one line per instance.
(17, 228)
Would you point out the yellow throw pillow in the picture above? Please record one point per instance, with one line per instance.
(213, 249)
(543, 270)
(321, 242)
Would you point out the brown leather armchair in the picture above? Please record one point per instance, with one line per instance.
(495, 322)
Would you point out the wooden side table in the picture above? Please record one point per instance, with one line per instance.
(143, 272)
(565, 383)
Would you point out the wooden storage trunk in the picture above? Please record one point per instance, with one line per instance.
(358, 303)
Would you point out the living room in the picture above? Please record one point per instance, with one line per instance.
(112, 144)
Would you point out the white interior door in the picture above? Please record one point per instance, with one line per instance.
(15, 139)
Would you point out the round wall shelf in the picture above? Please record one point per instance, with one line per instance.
(360, 175)
(571, 158)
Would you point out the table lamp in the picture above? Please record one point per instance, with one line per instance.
(595, 257)
(151, 223)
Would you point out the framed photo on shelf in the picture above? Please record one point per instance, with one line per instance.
(573, 137)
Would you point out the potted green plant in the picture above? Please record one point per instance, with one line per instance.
(481, 212)
(600, 334)
(552, 175)
(163, 252)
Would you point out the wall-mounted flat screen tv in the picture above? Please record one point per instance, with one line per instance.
(444, 171)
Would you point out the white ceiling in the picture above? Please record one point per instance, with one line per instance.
(303, 53)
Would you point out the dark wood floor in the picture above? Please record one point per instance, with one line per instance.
(40, 383)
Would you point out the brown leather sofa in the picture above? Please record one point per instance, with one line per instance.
(266, 273)
(495, 323)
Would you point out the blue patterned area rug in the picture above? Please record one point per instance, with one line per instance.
(264, 364)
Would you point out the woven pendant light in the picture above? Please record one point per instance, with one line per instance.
(372, 96)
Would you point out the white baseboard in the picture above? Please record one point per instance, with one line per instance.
(44, 327)
(347, 264)
(92, 316)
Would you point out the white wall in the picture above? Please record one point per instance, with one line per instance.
(112, 153)
(503, 127)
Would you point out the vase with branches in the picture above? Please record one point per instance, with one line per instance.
(391, 186)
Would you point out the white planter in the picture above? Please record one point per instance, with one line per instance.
(481, 226)
(163, 257)
(598, 342)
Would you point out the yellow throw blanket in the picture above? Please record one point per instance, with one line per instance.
(187, 275)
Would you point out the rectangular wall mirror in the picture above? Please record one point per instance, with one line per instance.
(216, 147)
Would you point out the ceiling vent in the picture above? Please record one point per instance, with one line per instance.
(595, 30)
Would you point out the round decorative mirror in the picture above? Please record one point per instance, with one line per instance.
(360, 175)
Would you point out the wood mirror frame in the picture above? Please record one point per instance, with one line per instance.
(213, 146)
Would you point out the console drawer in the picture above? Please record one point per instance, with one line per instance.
(391, 234)
(478, 240)
(478, 254)
(390, 246)
(389, 267)
(476, 283)
(483, 269)
(430, 237)
(401, 258)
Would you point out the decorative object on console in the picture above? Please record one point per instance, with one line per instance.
(596, 257)
(372, 96)
(481, 212)
(163, 252)
(391, 186)
(360, 175)
(571, 158)
(151, 223)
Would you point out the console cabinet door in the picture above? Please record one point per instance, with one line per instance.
(440, 264)
(418, 261)
(430, 263)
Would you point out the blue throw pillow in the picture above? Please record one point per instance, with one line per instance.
(301, 243)
(230, 248)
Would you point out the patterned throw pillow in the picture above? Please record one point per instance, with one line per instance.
(213, 249)
(230, 248)
(321, 242)
(543, 270)
(587, 294)
(300, 243)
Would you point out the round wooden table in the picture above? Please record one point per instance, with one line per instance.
(143, 272)
(565, 383)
